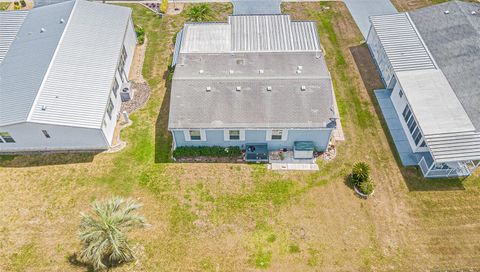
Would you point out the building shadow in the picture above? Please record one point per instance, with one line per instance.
(45, 159)
(163, 138)
(411, 175)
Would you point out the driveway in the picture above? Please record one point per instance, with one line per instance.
(243, 7)
(361, 10)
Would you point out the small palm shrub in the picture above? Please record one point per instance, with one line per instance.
(199, 13)
(360, 173)
(103, 233)
(361, 178)
(140, 34)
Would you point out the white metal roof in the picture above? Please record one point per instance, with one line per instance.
(67, 69)
(77, 86)
(448, 131)
(251, 33)
(26, 62)
(402, 43)
(207, 37)
(10, 23)
(454, 147)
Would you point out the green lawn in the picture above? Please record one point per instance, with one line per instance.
(4, 5)
(240, 217)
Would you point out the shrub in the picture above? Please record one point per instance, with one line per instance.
(22, 3)
(199, 13)
(103, 233)
(206, 151)
(366, 187)
(360, 173)
(140, 34)
(164, 6)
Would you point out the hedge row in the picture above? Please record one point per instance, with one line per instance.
(206, 151)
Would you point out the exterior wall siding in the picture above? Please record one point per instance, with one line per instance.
(320, 137)
(383, 63)
(399, 104)
(29, 137)
(130, 43)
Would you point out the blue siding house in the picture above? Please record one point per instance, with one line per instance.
(256, 79)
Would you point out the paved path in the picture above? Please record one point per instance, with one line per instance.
(361, 10)
(404, 150)
(243, 7)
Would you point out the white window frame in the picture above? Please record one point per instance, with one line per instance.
(203, 136)
(284, 135)
(226, 135)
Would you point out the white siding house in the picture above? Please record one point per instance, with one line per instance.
(61, 70)
(427, 80)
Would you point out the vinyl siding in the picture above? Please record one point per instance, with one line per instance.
(320, 137)
(29, 137)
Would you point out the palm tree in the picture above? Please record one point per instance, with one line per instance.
(103, 232)
(199, 13)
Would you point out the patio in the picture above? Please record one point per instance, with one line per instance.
(285, 160)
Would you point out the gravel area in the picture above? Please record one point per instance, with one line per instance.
(141, 93)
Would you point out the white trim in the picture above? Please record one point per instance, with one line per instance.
(188, 138)
(226, 135)
(284, 135)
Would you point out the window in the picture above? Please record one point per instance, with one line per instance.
(110, 108)
(234, 135)
(412, 126)
(46, 133)
(115, 87)
(6, 137)
(423, 144)
(400, 93)
(277, 134)
(121, 63)
(195, 135)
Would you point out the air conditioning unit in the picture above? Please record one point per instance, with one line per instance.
(126, 92)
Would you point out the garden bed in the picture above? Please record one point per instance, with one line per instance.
(201, 154)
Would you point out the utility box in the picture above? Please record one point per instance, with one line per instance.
(303, 150)
(126, 92)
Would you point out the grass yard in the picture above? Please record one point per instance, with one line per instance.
(4, 5)
(235, 217)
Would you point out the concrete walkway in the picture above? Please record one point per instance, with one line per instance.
(407, 156)
(250, 7)
(361, 10)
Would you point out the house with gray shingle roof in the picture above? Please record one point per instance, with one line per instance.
(256, 79)
(429, 60)
(61, 70)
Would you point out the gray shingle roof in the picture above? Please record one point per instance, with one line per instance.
(454, 41)
(285, 106)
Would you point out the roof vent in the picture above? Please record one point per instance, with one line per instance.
(300, 67)
(62, 21)
(44, 108)
(231, 71)
(209, 89)
(261, 71)
(239, 88)
(269, 88)
(303, 88)
(42, 30)
(299, 71)
(474, 13)
(201, 71)
(446, 12)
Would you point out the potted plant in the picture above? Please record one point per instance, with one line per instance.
(360, 177)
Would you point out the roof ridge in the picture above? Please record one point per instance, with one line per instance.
(47, 73)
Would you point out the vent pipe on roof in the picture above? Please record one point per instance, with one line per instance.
(303, 88)
(231, 71)
(261, 71)
(239, 88)
(446, 12)
(269, 88)
(44, 108)
(42, 30)
(201, 71)
(474, 13)
(62, 21)
(209, 89)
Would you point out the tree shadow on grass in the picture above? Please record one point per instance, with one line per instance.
(44, 159)
(411, 175)
(163, 138)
